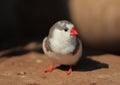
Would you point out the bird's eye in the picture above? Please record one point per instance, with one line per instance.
(66, 29)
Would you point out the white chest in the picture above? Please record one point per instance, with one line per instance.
(63, 47)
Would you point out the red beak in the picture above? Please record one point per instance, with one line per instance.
(73, 32)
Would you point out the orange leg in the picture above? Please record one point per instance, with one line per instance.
(50, 69)
(69, 71)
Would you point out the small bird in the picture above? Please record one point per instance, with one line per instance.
(62, 45)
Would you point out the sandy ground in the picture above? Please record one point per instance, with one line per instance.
(25, 66)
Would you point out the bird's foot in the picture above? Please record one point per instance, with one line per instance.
(50, 69)
(69, 71)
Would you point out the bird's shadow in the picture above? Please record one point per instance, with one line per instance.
(86, 64)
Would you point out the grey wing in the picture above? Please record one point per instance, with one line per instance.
(44, 45)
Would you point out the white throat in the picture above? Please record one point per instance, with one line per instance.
(62, 44)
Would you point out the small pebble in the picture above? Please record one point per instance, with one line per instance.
(38, 61)
(103, 76)
(21, 73)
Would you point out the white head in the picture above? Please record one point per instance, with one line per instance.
(62, 37)
(63, 30)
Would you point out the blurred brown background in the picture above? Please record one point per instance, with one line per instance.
(98, 22)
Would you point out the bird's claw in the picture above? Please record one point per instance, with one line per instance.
(50, 69)
(69, 71)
